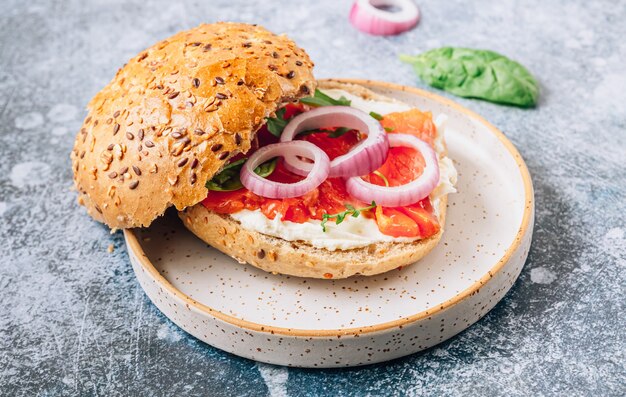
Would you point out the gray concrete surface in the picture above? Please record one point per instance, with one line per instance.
(73, 320)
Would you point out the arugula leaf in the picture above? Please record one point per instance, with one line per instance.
(228, 179)
(474, 73)
(389, 129)
(376, 116)
(321, 99)
(276, 125)
(341, 216)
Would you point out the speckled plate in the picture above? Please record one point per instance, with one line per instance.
(331, 323)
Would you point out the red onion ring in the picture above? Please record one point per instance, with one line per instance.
(270, 189)
(365, 157)
(368, 17)
(397, 196)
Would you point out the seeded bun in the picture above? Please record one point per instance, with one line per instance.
(298, 258)
(176, 113)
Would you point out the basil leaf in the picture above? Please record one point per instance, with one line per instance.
(479, 74)
(276, 125)
(228, 179)
(321, 99)
(376, 116)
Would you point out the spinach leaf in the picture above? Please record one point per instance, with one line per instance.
(339, 132)
(321, 99)
(276, 125)
(474, 73)
(228, 179)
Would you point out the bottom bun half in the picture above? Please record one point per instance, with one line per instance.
(297, 258)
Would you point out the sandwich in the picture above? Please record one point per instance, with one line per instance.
(226, 123)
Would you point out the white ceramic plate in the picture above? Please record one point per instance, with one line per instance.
(329, 323)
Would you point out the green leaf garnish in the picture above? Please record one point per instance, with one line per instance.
(321, 99)
(276, 125)
(389, 129)
(376, 116)
(228, 179)
(341, 216)
(266, 169)
(474, 73)
(339, 132)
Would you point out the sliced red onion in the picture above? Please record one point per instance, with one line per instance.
(365, 157)
(397, 196)
(373, 16)
(270, 189)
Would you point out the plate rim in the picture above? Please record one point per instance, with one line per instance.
(134, 246)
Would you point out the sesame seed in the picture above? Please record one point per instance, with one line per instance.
(246, 44)
(133, 185)
(176, 135)
(196, 44)
(149, 144)
(196, 82)
(123, 170)
(224, 155)
(206, 47)
(113, 175)
(291, 74)
(216, 147)
(261, 254)
(240, 82)
(130, 136)
(272, 67)
(110, 147)
(221, 96)
(238, 139)
(194, 163)
(192, 178)
(142, 57)
(137, 170)
(173, 95)
(182, 162)
(116, 128)
(198, 131)
(275, 54)
(140, 134)
(117, 113)
(299, 63)
(219, 80)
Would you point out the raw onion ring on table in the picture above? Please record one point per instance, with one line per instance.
(369, 16)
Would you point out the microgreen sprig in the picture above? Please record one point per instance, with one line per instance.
(341, 216)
